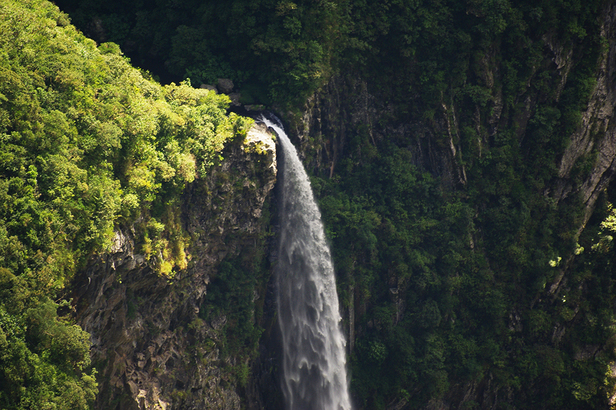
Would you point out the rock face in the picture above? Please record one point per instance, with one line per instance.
(225, 85)
(348, 106)
(152, 347)
(596, 137)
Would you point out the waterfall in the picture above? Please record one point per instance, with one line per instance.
(314, 364)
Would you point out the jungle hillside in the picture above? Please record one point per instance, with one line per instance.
(462, 153)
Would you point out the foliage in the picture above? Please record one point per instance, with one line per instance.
(277, 51)
(233, 297)
(87, 143)
(45, 360)
(451, 288)
(450, 282)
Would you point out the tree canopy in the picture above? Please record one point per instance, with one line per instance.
(87, 143)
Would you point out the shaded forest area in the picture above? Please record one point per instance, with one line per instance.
(451, 283)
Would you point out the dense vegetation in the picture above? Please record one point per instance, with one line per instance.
(450, 281)
(452, 287)
(455, 284)
(275, 51)
(87, 143)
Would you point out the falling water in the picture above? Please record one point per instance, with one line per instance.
(314, 364)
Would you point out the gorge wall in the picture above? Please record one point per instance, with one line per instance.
(148, 333)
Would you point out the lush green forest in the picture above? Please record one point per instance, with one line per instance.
(88, 143)
(451, 281)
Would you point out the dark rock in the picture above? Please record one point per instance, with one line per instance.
(225, 85)
(209, 87)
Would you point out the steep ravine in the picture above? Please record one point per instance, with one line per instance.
(152, 344)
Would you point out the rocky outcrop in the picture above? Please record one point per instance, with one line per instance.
(347, 107)
(151, 344)
(595, 139)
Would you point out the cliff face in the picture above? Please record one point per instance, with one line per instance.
(430, 303)
(347, 103)
(463, 153)
(152, 341)
(349, 106)
(596, 137)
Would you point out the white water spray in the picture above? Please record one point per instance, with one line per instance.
(314, 363)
